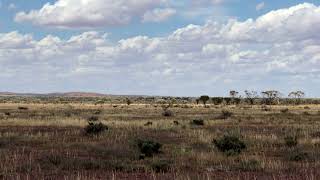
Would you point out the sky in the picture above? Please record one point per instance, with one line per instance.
(160, 47)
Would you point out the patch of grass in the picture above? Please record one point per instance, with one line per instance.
(161, 166)
(250, 165)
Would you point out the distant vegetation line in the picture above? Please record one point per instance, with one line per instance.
(270, 97)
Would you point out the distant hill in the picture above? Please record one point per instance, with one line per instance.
(67, 94)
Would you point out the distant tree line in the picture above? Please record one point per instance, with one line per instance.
(270, 97)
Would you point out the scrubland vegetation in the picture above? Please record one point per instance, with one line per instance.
(159, 138)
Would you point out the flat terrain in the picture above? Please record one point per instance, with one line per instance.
(48, 141)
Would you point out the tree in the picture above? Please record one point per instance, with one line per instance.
(204, 99)
(270, 96)
(297, 95)
(251, 96)
(128, 101)
(197, 101)
(233, 94)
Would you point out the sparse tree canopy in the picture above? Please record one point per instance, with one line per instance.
(251, 96)
(270, 96)
(204, 99)
(233, 94)
(296, 95)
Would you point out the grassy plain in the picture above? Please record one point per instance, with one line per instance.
(47, 141)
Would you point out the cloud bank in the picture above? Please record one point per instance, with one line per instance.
(280, 49)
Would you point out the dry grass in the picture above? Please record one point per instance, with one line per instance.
(47, 141)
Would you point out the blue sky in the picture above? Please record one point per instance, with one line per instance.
(160, 47)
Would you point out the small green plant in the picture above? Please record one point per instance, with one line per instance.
(230, 144)
(291, 141)
(198, 122)
(148, 147)
(94, 128)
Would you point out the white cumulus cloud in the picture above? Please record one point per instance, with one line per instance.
(279, 49)
(85, 13)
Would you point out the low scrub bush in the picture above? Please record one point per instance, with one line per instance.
(198, 122)
(148, 147)
(94, 128)
(230, 144)
(23, 108)
(297, 155)
(93, 118)
(286, 110)
(167, 113)
(160, 166)
(225, 114)
(291, 141)
(148, 124)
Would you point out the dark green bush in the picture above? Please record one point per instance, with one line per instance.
(197, 122)
(229, 144)
(167, 113)
(23, 108)
(148, 124)
(297, 155)
(291, 141)
(148, 147)
(95, 128)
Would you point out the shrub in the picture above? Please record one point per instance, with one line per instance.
(291, 141)
(176, 123)
(93, 118)
(225, 114)
(198, 122)
(95, 128)
(160, 166)
(286, 110)
(167, 113)
(229, 144)
(23, 108)
(204, 99)
(148, 124)
(148, 147)
(297, 155)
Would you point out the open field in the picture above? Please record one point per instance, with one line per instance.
(48, 141)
